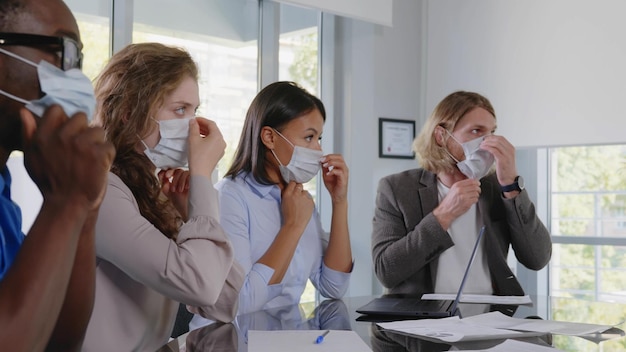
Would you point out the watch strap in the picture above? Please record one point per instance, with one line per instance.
(512, 187)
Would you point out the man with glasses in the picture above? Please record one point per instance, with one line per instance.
(47, 277)
(67, 49)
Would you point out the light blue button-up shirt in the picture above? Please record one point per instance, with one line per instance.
(250, 213)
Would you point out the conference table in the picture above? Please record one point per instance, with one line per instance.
(342, 315)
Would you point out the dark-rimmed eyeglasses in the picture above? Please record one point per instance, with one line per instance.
(68, 50)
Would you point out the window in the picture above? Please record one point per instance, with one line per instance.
(299, 61)
(94, 33)
(298, 51)
(588, 222)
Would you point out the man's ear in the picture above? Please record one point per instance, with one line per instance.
(267, 137)
(439, 136)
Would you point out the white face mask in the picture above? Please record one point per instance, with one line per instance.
(304, 164)
(70, 89)
(172, 151)
(477, 162)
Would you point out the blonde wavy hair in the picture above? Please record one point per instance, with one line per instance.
(446, 114)
(129, 92)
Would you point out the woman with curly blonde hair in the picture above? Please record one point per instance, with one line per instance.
(158, 239)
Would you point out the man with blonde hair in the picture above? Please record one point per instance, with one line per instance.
(427, 220)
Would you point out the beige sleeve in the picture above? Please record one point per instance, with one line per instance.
(192, 270)
(225, 309)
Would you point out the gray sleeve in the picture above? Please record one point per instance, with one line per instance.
(530, 239)
(399, 252)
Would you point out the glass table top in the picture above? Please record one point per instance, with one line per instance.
(341, 315)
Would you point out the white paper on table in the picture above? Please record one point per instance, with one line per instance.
(499, 320)
(304, 341)
(451, 329)
(516, 346)
(471, 298)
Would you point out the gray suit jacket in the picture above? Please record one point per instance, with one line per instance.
(407, 239)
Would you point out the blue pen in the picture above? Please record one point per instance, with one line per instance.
(320, 338)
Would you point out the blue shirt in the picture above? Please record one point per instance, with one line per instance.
(11, 236)
(250, 213)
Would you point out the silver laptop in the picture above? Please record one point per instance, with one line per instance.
(414, 307)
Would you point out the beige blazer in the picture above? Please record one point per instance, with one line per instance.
(141, 275)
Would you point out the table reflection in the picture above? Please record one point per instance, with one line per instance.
(216, 337)
(555, 308)
(387, 341)
(328, 315)
(341, 315)
(384, 341)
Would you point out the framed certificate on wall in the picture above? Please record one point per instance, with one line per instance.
(395, 138)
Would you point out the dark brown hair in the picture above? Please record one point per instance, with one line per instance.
(274, 106)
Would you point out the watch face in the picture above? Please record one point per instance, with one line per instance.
(520, 182)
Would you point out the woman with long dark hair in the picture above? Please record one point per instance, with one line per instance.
(270, 217)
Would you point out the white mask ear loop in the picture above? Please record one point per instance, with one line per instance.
(456, 140)
(15, 56)
(285, 138)
(272, 150)
(144, 143)
(141, 139)
(9, 95)
(281, 164)
(446, 147)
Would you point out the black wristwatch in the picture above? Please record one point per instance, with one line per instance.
(518, 185)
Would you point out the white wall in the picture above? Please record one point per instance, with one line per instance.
(377, 74)
(554, 70)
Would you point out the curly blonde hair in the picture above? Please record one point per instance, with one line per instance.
(446, 114)
(129, 91)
